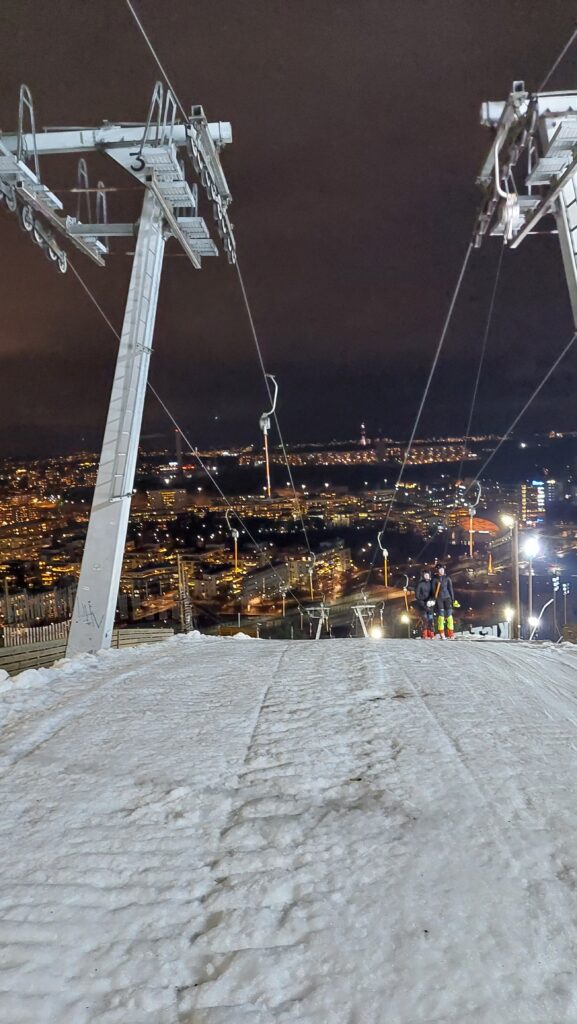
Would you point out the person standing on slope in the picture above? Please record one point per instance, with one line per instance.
(426, 604)
(444, 596)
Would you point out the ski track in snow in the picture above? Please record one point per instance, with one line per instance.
(263, 832)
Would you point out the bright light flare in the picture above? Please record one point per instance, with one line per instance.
(531, 547)
(376, 633)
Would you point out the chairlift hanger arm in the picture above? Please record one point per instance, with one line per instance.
(267, 415)
(507, 119)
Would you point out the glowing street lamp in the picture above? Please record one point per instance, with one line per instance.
(376, 633)
(511, 524)
(566, 591)
(531, 550)
(406, 620)
(531, 547)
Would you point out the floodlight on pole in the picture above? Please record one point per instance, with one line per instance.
(566, 591)
(531, 547)
(509, 614)
(531, 550)
(534, 621)
(510, 523)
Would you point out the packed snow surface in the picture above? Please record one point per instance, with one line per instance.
(347, 832)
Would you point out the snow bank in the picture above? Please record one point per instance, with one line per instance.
(304, 833)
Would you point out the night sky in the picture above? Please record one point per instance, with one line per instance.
(356, 146)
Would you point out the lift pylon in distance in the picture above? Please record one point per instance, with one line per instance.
(531, 171)
(162, 154)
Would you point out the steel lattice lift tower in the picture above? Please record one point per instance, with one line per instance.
(161, 153)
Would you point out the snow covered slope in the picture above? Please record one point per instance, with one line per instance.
(243, 832)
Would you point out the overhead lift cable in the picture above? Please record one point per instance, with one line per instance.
(486, 332)
(529, 402)
(425, 394)
(157, 60)
(557, 62)
(488, 324)
(273, 403)
(192, 448)
(298, 510)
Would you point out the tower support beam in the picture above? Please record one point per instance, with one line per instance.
(96, 599)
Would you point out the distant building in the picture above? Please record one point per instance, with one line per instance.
(532, 503)
(335, 556)
(174, 500)
(35, 607)
(205, 588)
(554, 491)
(270, 582)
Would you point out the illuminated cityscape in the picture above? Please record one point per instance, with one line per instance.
(181, 548)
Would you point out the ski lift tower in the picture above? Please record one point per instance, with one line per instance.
(161, 154)
(531, 172)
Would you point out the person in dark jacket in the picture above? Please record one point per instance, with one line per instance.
(444, 597)
(426, 604)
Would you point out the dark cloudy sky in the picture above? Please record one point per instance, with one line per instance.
(356, 145)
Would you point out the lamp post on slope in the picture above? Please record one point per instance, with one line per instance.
(566, 589)
(555, 584)
(531, 549)
(511, 523)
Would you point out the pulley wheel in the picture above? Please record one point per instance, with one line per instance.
(27, 218)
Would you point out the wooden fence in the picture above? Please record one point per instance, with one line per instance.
(41, 655)
(18, 636)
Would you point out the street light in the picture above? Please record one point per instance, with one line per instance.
(406, 619)
(566, 589)
(555, 581)
(531, 549)
(533, 621)
(376, 633)
(511, 523)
